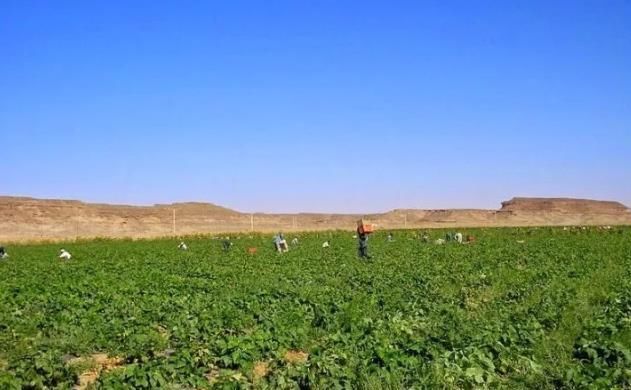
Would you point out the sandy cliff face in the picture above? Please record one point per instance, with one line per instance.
(41, 219)
(563, 205)
(564, 211)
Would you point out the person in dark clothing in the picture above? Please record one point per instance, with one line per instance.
(362, 239)
(227, 244)
(3, 253)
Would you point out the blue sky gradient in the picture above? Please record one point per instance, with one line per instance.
(286, 106)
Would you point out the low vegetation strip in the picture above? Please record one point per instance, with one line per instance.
(516, 308)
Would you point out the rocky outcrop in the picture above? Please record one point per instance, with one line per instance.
(563, 205)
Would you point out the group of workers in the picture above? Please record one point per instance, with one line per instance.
(280, 243)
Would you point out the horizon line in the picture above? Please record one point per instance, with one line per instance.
(175, 203)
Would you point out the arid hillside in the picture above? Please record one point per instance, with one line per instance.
(42, 219)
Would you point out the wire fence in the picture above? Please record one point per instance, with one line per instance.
(177, 222)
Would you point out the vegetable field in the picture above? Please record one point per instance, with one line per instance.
(518, 308)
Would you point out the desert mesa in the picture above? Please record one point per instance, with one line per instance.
(31, 219)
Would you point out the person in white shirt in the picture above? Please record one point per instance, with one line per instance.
(182, 246)
(64, 254)
(280, 243)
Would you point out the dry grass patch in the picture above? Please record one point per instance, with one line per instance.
(260, 370)
(92, 367)
(212, 375)
(86, 379)
(296, 357)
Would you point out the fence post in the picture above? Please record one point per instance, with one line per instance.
(174, 222)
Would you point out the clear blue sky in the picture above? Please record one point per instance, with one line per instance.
(316, 105)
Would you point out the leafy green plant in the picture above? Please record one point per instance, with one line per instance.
(551, 311)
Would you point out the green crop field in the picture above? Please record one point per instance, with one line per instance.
(519, 308)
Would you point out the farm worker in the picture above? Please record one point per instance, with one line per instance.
(64, 254)
(3, 253)
(326, 244)
(280, 243)
(182, 246)
(458, 237)
(390, 237)
(362, 239)
(276, 240)
(226, 244)
(440, 241)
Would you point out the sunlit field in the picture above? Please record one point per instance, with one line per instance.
(517, 308)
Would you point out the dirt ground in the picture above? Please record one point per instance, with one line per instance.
(28, 219)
